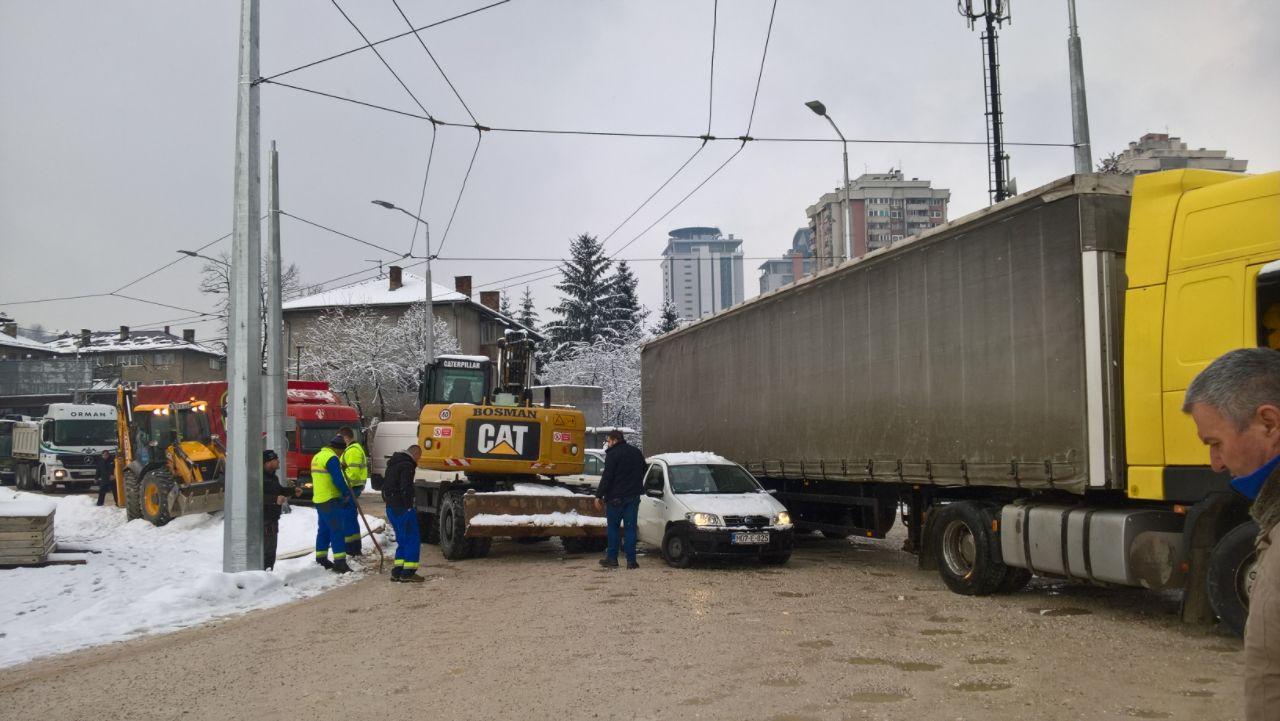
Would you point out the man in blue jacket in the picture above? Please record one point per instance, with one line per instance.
(619, 491)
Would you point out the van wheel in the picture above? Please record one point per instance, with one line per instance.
(968, 552)
(1233, 567)
(677, 551)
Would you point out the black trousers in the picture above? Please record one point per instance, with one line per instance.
(103, 491)
(270, 534)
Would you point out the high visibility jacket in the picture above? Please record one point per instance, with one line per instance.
(355, 464)
(323, 487)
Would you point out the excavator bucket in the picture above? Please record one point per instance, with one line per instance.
(518, 515)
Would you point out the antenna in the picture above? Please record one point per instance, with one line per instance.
(993, 13)
(375, 260)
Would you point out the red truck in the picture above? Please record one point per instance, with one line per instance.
(314, 416)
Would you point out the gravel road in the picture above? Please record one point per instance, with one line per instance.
(848, 630)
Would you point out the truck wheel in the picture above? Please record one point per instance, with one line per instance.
(453, 528)
(428, 528)
(1232, 571)
(967, 551)
(132, 496)
(156, 487)
(42, 480)
(677, 551)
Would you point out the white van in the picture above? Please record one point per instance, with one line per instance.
(699, 505)
(386, 438)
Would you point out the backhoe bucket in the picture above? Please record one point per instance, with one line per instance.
(515, 515)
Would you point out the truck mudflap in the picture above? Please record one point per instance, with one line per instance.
(518, 515)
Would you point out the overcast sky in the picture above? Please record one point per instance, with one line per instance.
(117, 124)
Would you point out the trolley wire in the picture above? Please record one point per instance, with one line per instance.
(384, 60)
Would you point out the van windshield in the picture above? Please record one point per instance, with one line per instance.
(712, 479)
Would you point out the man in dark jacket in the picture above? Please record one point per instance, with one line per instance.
(397, 491)
(619, 491)
(105, 467)
(274, 495)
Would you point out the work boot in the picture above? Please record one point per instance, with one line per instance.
(325, 562)
(411, 577)
(631, 564)
(395, 573)
(340, 566)
(609, 562)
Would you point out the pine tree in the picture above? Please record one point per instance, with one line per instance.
(626, 315)
(583, 312)
(504, 305)
(528, 313)
(668, 320)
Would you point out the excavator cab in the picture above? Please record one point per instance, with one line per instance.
(456, 379)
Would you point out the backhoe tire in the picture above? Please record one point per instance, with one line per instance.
(132, 495)
(968, 552)
(156, 485)
(454, 545)
(1232, 570)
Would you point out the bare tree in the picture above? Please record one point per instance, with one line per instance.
(215, 279)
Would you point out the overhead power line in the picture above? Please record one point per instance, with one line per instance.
(384, 60)
(461, 189)
(711, 77)
(760, 76)
(369, 45)
(348, 236)
(421, 42)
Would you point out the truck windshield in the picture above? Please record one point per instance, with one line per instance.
(712, 479)
(458, 385)
(84, 433)
(317, 436)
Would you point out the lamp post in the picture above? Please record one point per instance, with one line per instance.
(429, 319)
(193, 254)
(819, 109)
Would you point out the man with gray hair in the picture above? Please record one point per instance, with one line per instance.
(1235, 403)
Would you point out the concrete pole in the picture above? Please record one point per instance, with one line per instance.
(274, 394)
(1079, 108)
(848, 217)
(242, 523)
(429, 311)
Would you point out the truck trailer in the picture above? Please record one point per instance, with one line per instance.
(1010, 382)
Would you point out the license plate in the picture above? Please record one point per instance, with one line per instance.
(749, 539)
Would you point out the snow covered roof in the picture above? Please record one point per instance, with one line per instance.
(690, 458)
(25, 343)
(376, 291)
(138, 341)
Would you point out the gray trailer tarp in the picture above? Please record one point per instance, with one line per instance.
(955, 358)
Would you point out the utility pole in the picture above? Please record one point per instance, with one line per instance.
(993, 13)
(274, 394)
(242, 506)
(1079, 108)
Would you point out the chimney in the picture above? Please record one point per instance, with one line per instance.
(395, 278)
(11, 329)
(462, 284)
(166, 331)
(85, 337)
(124, 332)
(189, 335)
(491, 299)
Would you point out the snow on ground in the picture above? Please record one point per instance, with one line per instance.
(534, 489)
(145, 580)
(539, 520)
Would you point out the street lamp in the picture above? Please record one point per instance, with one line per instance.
(819, 109)
(429, 319)
(193, 254)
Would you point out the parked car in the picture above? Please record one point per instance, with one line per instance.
(592, 468)
(698, 505)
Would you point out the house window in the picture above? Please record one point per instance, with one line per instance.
(216, 364)
(131, 361)
(935, 214)
(164, 359)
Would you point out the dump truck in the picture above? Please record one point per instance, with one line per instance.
(491, 457)
(59, 449)
(169, 463)
(1013, 380)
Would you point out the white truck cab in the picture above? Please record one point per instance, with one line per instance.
(60, 448)
(700, 505)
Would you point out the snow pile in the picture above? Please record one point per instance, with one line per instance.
(690, 458)
(26, 507)
(534, 489)
(144, 580)
(538, 520)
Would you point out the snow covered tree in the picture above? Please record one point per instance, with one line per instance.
(1110, 163)
(667, 320)
(584, 309)
(528, 313)
(504, 305)
(626, 315)
(614, 366)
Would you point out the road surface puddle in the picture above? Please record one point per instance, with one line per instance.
(988, 661)
(1198, 693)
(946, 619)
(941, 632)
(820, 643)
(1147, 713)
(908, 666)
(875, 696)
(1065, 611)
(1204, 679)
(792, 594)
(977, 685)
(882, 574)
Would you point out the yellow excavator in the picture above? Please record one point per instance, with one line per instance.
(491, 457)
(168, 463)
